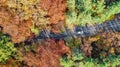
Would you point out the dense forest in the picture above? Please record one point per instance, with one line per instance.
(46, 33)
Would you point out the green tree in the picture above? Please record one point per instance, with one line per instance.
(7, 49)
(81, 12)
